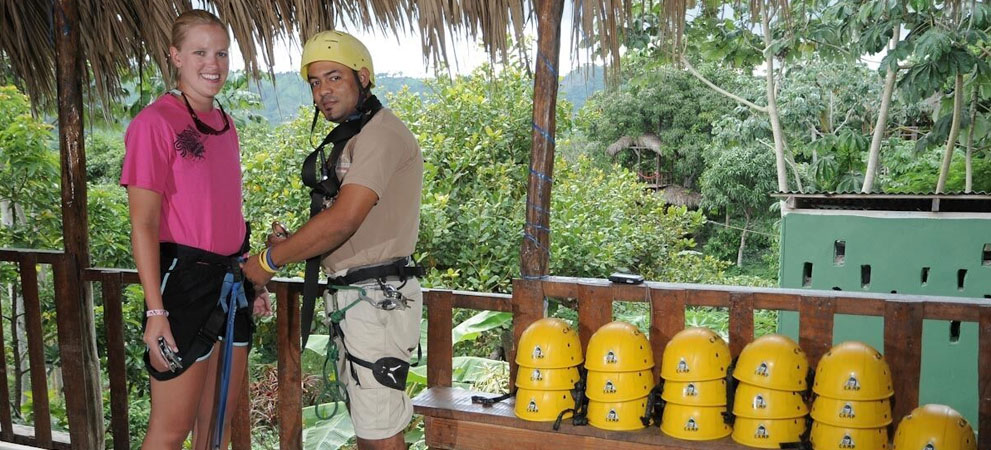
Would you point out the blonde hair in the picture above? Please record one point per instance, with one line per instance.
(181, 26)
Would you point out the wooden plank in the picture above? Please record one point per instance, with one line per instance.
(667, 319)
(741, 321)
(6, 421)
(241, 418)
(594, 310)
(113, 321)
(776, 301)
(815, 335)
(36, 351)
(483, 302)
(290, 377)
(560, 289)
(454, 422)
(903, 351)
(42, 256)
(528, 307)
(984, 380)
(440, 344)
(24, 435)
(707, 297)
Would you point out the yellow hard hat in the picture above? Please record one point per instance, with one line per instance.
(338, 47)
(695, 354)
(696, 393)
(773, 361)
(828, 437)
(757, 402)
(618, 386)
(542, 406)
(618, 347)
(852, 413)
(694, 423)
(617, 416)
(853, 371)
(547, 379)
(934, 427)
(549, 343)
(767, 433)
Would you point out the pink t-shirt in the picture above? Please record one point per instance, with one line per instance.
(197, 174)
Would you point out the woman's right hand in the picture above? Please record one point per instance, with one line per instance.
(158, 326)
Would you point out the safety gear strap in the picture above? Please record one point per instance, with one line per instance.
(324, 185)
(231, 298)
(655, 406)
(731, 383)
(579, 416)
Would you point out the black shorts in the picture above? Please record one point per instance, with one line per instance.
(191, 283)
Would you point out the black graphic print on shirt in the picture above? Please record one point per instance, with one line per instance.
(188, 143)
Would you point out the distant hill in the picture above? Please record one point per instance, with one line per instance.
(283, 98)
(283, 105)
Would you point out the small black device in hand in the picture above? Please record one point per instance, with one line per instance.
(174, 360)
(626, 278)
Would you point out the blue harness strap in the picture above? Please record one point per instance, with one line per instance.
(231, 298)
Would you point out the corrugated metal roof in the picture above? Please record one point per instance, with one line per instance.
(928, 201)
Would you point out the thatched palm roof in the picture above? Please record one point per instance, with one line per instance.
(648, 141)
(118, 34)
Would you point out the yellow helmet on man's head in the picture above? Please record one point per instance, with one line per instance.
(338, 47)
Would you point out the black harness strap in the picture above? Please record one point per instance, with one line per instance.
(324, 185)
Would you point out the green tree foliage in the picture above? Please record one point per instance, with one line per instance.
(667, 102)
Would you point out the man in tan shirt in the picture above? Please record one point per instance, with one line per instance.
(365, 235)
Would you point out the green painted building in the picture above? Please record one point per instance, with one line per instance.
(906, 244)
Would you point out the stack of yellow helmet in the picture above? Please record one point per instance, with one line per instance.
(934, 427)
(852, 407)
(548, 355)
(619, 366)
(694, 369)
(769, 406)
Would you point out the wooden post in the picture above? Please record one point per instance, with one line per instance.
(984, 380)
(290, 400)
(903, 349)
(528, 307)
(113, 322)
(536, 231)
(440, 319)
(36, 351)
(87, 430)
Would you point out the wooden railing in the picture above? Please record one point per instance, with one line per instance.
(594, 298)
(449, 418)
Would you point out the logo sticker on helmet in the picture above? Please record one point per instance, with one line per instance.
(609, 388)
(852, 384)
(759, 402)
(847, 442)
(532, 406)
(682, 366)
(612, 416)
(761, 433)
(762, 369)
(929, 447)
(611, 357)
(691, 425)
(536, 375)
(537, 352)
(690, 390)
(847, 411)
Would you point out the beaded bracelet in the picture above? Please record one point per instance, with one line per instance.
(156, 312)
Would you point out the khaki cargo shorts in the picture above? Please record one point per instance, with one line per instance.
(371, 333)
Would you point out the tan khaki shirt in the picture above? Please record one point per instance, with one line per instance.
(385, 158)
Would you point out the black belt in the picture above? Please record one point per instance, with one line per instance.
(398, 268)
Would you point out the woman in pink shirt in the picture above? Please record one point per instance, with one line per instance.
(183, 177)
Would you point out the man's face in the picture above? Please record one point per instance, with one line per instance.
(334, 89)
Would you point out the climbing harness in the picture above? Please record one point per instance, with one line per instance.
(324, 186)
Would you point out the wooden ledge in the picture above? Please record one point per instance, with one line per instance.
(453, 422)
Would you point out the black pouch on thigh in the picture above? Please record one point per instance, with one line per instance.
(389, 372)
